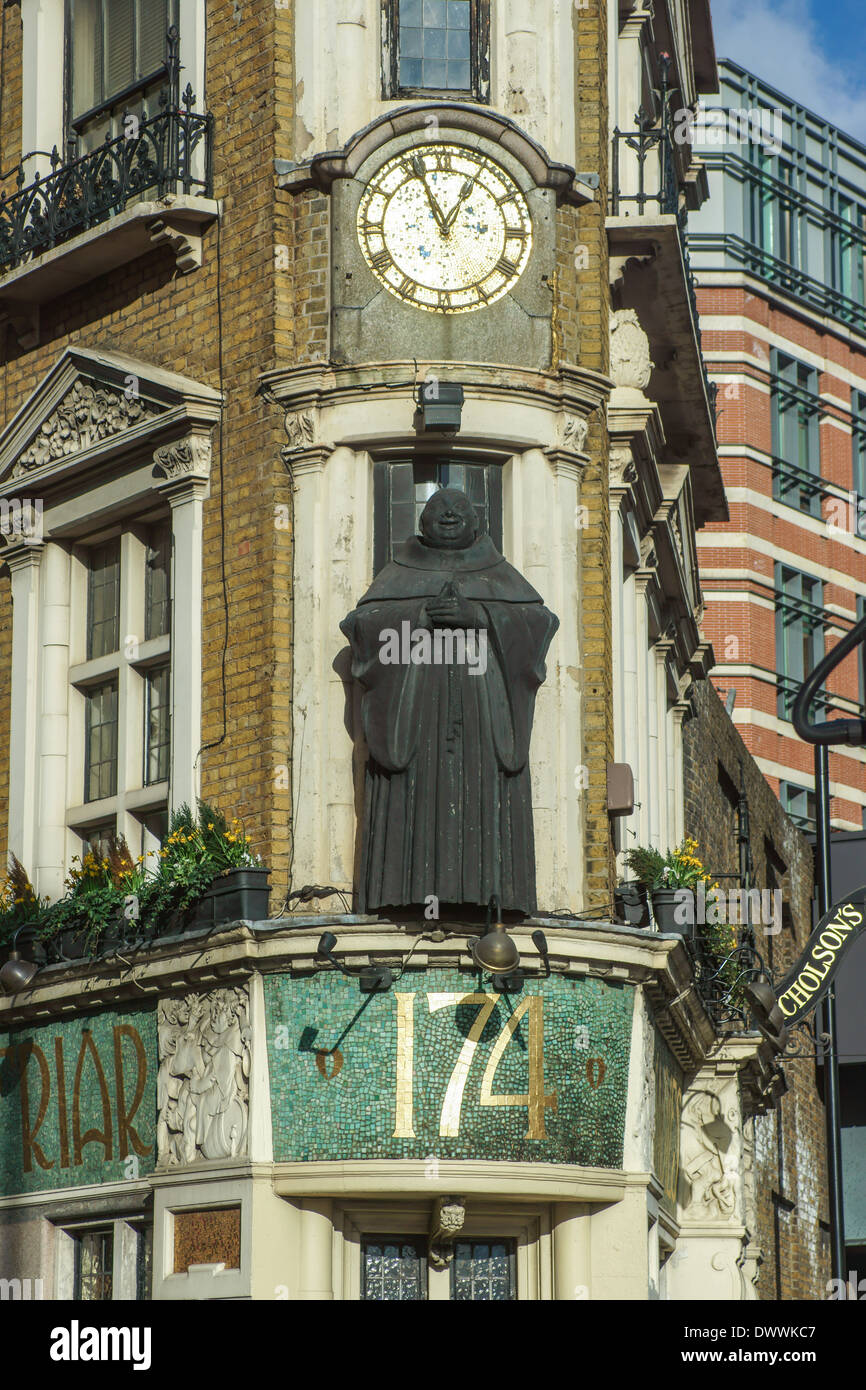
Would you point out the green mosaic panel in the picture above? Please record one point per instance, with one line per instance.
(379, 1076)
(78, 1102)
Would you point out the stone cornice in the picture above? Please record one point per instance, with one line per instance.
(312, 395)
(541, 1182)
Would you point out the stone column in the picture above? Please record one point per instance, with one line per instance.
(51, 787)
(185, 470)
(572, 1275)
(317, 1236)
(24, 562)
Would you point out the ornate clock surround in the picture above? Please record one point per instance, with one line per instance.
(369, 323)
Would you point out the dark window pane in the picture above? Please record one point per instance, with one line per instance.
(100, 750)
(483, 1271)
(94, 1258)
(103, 600)
(157, 583)
(458, 14)
(393, 1271)
(458, 77)
(143, 1262)
(458, 44)
(97, 841)
(411, 13)
(157, 745)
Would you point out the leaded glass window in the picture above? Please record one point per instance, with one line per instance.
(402, 490)
(103, 600)
(438, 46)
(157, 575)
(393, 1270)
(94, 1261)
(100, 750)
(157, 726)
(483, 1271)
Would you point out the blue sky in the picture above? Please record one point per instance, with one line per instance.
(812, 50)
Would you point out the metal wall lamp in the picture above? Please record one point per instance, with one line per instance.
(16, 974)
(372, 979)
(496, 953)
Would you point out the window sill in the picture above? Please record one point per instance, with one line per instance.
(177, 221)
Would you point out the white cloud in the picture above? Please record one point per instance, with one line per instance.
(782, 42)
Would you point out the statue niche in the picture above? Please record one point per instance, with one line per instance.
(448, 644)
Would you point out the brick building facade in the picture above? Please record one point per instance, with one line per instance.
(212, 365)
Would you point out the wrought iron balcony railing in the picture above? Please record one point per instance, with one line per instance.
(789, 689)
(169, 153)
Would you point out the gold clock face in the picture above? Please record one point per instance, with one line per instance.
(445, 228)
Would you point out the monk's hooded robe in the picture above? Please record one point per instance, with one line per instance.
(448, 804)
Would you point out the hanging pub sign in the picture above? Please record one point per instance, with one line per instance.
(808, 981)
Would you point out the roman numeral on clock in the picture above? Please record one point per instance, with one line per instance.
(506, 267)
(381, 261)
(407, 288)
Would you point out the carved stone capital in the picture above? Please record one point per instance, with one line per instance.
(188, 458)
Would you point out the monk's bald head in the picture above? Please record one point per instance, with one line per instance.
(449, 522)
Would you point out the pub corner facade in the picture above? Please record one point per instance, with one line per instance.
(213, 380)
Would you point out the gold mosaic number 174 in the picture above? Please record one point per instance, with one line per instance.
(449, 1124)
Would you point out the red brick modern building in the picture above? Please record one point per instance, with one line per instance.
(779, 252)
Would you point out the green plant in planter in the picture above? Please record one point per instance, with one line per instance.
(19, 904)
(196, 851)
(99, 890)
(679, 868)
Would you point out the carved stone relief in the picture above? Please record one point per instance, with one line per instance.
(708, 1175)
(203, 1078)
(630, 362)
(192, 455)
(86, 415)
(300, 431)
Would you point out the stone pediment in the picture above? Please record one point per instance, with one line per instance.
(92, 403)
(87, 414)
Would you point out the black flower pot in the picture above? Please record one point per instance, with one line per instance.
(71, 945)
(238, 895)
(632, 903)
(665, 904)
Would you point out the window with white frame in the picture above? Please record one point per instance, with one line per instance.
(121, 686)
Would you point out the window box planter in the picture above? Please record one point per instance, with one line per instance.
(665, 902)
(236, 895)
(632, 903)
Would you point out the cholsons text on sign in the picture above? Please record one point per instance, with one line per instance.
(823, 955)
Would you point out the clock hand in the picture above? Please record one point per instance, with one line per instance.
(465, 191)
(421, 174)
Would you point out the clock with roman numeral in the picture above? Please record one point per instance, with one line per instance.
(445, 228)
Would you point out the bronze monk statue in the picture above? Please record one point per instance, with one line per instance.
(448, 644)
